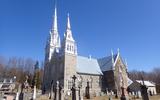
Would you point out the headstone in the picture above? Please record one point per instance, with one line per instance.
(57, 91)
(21, 93)
(110, 95)
(139, 94)
(17, 96)
(77, 95)
(62, 94)
(107, 92)
(130, 93)
(133, 93)
(51, 91)
(112, 92)
(34, 93)
(73, 93)
(144, 92)
(18, 92)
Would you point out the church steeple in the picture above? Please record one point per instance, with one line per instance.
(69, 44)
(55, 27)
(68, 23)
(53, 44)
(68, 33)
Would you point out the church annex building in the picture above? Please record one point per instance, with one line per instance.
(62, 62)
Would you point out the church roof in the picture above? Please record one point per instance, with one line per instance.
(88, 65)
(106, 64)
(95, 66)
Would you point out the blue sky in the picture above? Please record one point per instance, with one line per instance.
(97, 25)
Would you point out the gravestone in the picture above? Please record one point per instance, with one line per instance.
(57, 94)
(21, 93)
(51, 91)
(139, 94)
(110, 95)
(133, 93)
(34, 93)
(107, 92)
(17, 96)
(62, 94)
(144, 92)
(18, 92)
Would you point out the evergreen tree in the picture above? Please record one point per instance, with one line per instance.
(36, 78)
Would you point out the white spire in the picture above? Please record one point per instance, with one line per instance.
(54, 31)
(54, 38)
(68, 33)
(69, 44)
(68, 22)
(55, 27)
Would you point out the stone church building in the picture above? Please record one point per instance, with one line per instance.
(62, 62)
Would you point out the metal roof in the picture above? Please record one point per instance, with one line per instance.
(105, 63)
(88, 65)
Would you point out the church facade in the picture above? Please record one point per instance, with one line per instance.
(62, 62)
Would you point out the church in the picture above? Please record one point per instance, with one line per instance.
(62, 62)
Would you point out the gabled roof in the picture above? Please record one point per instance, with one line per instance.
(88, 65)
(106, 63)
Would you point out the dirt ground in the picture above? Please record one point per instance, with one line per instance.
(156, 97)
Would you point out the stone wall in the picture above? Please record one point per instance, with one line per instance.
(70, 62)
(95, 83)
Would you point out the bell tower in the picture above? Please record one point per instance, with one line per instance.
(69, 45)
(69, 53)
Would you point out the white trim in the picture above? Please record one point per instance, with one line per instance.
(116, 59)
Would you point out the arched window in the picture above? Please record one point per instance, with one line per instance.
(67, 47)
(72, 47)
